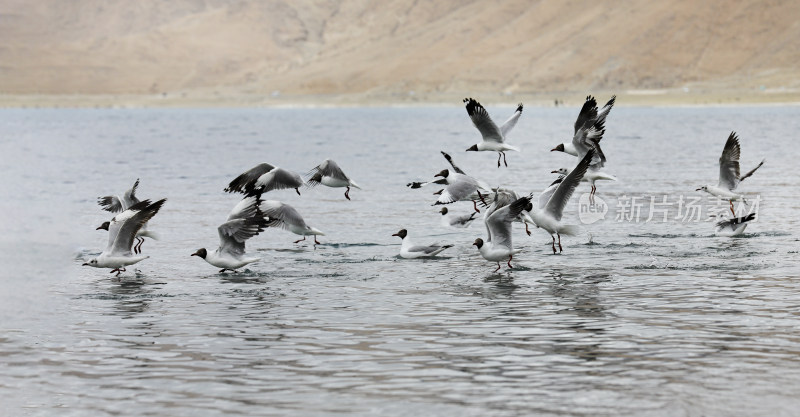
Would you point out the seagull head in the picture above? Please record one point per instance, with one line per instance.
(703, 188)
(92, 262)
(559, 148)
(473, 148)
(202, 252)
(402, 233)
(562, 171)
(103, 226)
(443, 173)
(443, 211)
(478, 242)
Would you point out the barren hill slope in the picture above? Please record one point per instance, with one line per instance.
(384, 47)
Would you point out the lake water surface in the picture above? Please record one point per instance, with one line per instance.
(646, 317)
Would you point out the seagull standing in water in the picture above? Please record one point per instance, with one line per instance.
(245, 221)
(498, 246)
(494, 138)
(729, 177)
(329, 174)
(121, 232)
(116, 204)
(264, 178)
(286, 217)
(553, 200)
(409, 250)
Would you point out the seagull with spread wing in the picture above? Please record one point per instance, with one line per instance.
(494, 138)
(116, 204)
(264, 178)
(729, 177)
(329, 174)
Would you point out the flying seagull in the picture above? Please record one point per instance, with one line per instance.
(245, 221)
(329, 174)
(729, 177)
(121, 232)
(116, 204)
(286, 217)
(439, 181)
(264, 178)
(462, 187)
(494, 138)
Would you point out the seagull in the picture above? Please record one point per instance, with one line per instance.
(553, 200)
(461, 187)
(494, 138)
(498, 246)
(121, 231)
(503, 197)
(732, 227)
(116, 204)
(264, 178)
(328, 173)
(729, 177)
(441, 181)
(245, 221)
(456, 220)
(286, 217)
(589, 130)
(409, 250)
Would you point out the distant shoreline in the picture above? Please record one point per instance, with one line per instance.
(634, 98)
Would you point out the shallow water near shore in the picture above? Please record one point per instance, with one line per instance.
(638, 316)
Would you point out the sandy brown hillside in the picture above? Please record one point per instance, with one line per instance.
(362, 47)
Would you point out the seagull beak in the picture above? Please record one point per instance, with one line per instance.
(396, 234)
(99, 228)
(85, 264)
(698, 189)
(438, 175)
(553, 150)
(553, 172)
(474, 244)
(194, 254)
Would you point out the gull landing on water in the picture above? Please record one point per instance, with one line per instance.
(732, 227)
(116, 204)
(121, 232)
(494, 138)
(329, 174)
(729, 177)
(286, 217)
(264, 178)
(409, 250)
(245, 221)
(498, 246)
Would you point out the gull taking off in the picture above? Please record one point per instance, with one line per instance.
(553, 200)
(462, 187)
(498, 246)
(409, 250)
(494, 138)
(121, 232)
(264, 178)
(286, 217)
(729, 177)
(732, 227)
(329, 174)
(116, 204)
(245, 221)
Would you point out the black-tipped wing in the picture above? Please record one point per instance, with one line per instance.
(512, 121)
(245, 221)
(749, 173)
(499, 222)
(555, 206)
(736, 220)
(480, 118)
(277, 179)
(452, 164)
(328, 168)
(124, 226)
(460, 189)
(545, 196)
(587, 114)
(110, 203)
(729, 163)
(245, 182)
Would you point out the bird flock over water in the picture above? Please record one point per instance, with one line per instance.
(502, 207)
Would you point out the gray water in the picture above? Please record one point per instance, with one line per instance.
(633, 318)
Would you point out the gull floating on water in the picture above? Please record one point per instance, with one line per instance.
(462, 187)
(494, 138)
(286, 217)
(245, 221)
(498, 246)
(409, 250)
(121, 232)
(456, 220)
(116, 204)
(264, 178)
(553, 200)
(729, 177)
(329, 174)
(732, 227)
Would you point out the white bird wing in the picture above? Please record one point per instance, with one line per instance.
(588, 138)
(245, 221)
(458, 190)
(124, 226)
(499, 222)
(244, 182)
(555, 205)
(277, 179)
(328, 168)
(115, 204)
(427, 249)
(129, 199)
(511, 122)
(729, 163)
(544, 197)
(587, 114)
(480, 118)
(282, 215)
